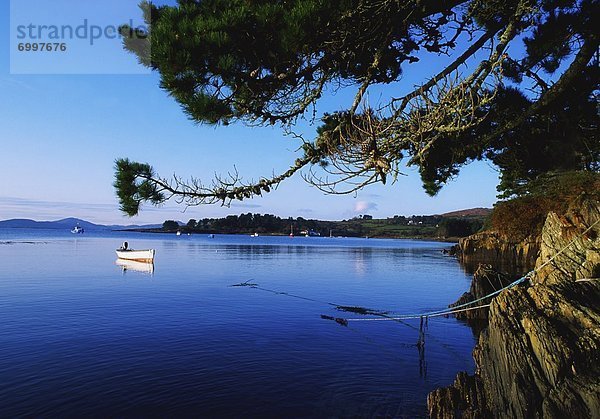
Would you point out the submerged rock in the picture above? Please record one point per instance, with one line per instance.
(540, 354)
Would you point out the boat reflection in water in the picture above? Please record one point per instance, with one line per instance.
(135, 266)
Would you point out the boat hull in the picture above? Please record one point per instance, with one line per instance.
(146, 256)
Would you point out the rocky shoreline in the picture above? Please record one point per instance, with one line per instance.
(538, 354)
(501, 253)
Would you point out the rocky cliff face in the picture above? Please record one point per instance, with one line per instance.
(490, 248)
(485, 281)
(540, 354)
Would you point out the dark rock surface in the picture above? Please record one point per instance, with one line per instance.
(461, 399)
(485, 281)
(490, 248)
(539, 356)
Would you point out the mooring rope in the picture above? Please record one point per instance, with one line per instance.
(588, 279)
(384, 315)
(451, 310)
(568, 245)
(420, 316)
(287, 294)
(456, 309)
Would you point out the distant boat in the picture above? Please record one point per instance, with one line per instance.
(211, 236)
(126, 253)
(77, 230)
(254, 235)
(292, 231)
(179, 233)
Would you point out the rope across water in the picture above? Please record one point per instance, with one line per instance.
(382, 316)
(460, 308)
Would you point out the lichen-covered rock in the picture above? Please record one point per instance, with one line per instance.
(582, 258)
(540, 354)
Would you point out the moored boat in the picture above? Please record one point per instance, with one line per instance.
(125, 253)
(136, 255)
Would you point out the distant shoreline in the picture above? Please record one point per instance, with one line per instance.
(446, 228)
(452, 240)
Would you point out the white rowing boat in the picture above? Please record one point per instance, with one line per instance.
(136, 255)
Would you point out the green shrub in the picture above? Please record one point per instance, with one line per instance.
(524, 216)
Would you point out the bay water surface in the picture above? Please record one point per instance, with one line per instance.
(83, 336)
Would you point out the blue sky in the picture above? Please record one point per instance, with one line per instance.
(60, 135)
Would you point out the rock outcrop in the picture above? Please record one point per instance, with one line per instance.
(485, 281)
(540, 354)
(582, 258)
(491, 248)
(461, 399)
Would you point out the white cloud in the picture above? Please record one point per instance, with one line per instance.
(364, 206)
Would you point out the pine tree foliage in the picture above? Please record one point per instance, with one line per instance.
(529, 109)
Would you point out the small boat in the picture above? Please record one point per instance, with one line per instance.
(179, 233)
(254, 235)
(126, 253)
(136, 255)
(211, 236)
(77, 230)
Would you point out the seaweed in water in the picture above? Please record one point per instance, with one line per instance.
(10, 243)
(245, 284)
(361, 310)
(338, 320)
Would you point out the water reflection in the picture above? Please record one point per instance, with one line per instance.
(250, 251)
(362, 260)
(131, 265)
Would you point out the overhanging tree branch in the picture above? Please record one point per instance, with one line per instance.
(271, 62)
(583, 57)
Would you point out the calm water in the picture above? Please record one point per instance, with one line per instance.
(80, 335)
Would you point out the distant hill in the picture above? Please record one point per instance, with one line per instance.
(134, 226)
(67, 224)
(417, 226)
(473, 212)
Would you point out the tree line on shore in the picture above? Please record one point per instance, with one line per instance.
(426, 226)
